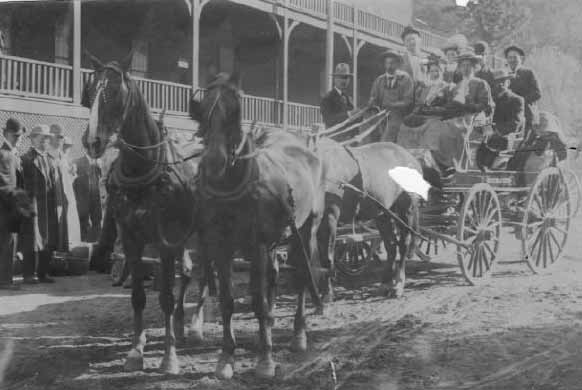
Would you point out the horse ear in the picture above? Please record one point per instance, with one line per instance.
(126, 62)
(195, 109)
(97, 65)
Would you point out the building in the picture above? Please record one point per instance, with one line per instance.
(284, 50)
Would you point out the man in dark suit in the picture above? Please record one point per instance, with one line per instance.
(524, 83)
(39, 235)
(336, 104)
(11, 178)
(88, 197)
(508, 118)
(483, 72)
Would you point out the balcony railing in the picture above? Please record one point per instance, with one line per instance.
(31, 78)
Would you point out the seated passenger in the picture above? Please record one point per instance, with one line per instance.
(452, 49)
(508, 118)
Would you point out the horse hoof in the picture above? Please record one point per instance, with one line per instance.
(134, 361)
(265, 368)
(299, 342)
(170, 364)
(225, 367)
(395, 292)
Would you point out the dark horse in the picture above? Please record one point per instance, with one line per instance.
(251, 189)
(150, 192)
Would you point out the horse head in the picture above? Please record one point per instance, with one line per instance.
(219, 116)
(107, 96)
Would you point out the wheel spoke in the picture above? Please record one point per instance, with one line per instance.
(486, 245)
(536, 242)
(564, 232)
(550, 250)
(545, 246)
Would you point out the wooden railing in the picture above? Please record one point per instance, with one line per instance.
(303, 115)
(343, 13)
(262, 110)
(31, 78)
(317, 7)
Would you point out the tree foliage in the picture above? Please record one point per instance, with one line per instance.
(493, 20)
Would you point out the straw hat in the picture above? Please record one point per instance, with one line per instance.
(342, 69)
(40, 130)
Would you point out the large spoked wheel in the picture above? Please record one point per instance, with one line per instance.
(353, 257)
(479, 228)
(546, 220)
(574, 190)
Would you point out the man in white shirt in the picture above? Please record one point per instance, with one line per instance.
(412, 59)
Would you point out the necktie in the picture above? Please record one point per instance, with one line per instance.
(390, 82)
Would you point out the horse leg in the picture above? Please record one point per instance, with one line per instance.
(408, 212)
(133, 253)
(185, 278)
(299, 342)
(222, 254)
(205, 281)
(386, 228)
(170, 363)
(326, 237)
(263, 296)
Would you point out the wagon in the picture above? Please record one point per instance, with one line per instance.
(474, 209)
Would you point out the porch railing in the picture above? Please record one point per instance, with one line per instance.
(32, 78)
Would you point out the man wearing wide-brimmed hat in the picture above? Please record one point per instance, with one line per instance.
(40, 235)
(508, 118)
(11, 179)
(524, 83)
(393, 91)
(336, 104)
(452, 48)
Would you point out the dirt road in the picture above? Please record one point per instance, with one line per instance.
(517, 331)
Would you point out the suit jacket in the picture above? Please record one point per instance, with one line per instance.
(334, 107)
(478, 97)
(10, 168)
(525, 84)
(397, 99)
(86, 185)
(487, 75)
(42, 230)
(509, 114)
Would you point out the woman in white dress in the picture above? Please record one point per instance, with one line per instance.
(68, 170)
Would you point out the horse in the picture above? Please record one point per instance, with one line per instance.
(366, 167)
(251, 189)
(150, 193)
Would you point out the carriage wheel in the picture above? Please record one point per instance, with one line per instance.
(546, 220)
(480, 227)
(574, 190)
(353, 257)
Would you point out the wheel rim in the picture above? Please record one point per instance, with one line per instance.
(546, 220)
(353, 257)
(480, 227)
(574, 190)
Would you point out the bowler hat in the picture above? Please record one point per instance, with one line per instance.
(342, 69)
(518, 49)
(40, 130)
(14, 126)
(481, 47)
(393, 54)
(409, 30)
(57, 130)
(501, 75)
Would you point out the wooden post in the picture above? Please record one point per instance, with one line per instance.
(77, 87)
(286, 67)
(196, 11)
(329, 42)
(355, 58)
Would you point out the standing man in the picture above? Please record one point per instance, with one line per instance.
(40, 235)
(336, 104)
(88, 196)
(412, 60)
(483, 72)
(393, 91)
(525, 84)
(60, 177)
(11, 178)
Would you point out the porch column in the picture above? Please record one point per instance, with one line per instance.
(288, 27)
(196, 11)
(329, 47)
(77, 85)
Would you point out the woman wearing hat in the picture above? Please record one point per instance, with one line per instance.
(524, 83)
(452, 49)
(412, 59)
(393, 91)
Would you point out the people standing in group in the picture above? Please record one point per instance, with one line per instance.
(336, 104)
(88, 195)
(524, 83)
(393, 91)
(11, 179)
(39, 235)
(452, 48)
